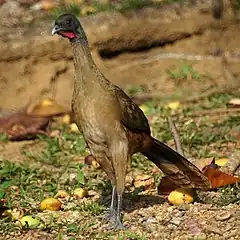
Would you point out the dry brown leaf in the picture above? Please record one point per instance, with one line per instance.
(19, 126)
(218, 178)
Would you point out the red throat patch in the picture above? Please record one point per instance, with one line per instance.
(68, 34)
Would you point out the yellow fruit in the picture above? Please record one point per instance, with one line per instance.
(144, 108)
(61, 194)
(180, 196)
(221, 162)
(73, 127)
(80, 193)
(95, 164)
(15, 214)
(174, 105)
(50, 204)
(47, 102)
(65, 119)
(29, 221)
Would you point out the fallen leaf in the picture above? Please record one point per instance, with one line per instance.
(19, 126)
(216, 177)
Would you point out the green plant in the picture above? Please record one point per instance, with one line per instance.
(183, 72)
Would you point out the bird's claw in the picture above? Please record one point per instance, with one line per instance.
(109, 216)
(117, 225)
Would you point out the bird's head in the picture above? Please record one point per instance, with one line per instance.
(67, 25)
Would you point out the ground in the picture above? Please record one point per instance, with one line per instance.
(140, 58)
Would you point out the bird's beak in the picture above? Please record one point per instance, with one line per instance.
(56, 29)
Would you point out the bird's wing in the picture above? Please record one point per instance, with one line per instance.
(132, 116)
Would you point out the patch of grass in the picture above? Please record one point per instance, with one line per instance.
(23, 186)
(71, 8)
(229, 194)
(90, 207)
(133, 90)
(184, 72)
(3, 137)
(58, 150)
(95, 6)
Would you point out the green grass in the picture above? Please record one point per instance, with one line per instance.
(96, 6)
(185, 72)
(57, 163)
(72, 8)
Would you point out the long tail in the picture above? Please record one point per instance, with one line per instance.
(178, 169)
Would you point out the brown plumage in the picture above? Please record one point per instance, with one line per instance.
(113, 126)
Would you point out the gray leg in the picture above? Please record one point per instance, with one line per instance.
(111, 211)
(117, 222)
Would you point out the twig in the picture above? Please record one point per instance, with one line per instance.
(176, 137)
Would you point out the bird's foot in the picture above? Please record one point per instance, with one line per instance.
(118, 225)
(110, 215)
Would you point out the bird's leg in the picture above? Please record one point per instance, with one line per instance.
(117, 218)
(111, 211)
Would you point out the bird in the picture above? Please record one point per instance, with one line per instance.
(114, 127)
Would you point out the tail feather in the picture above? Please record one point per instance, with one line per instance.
(178, 169)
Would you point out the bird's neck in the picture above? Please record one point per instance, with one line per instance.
(85, 67)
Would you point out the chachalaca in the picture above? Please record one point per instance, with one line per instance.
(114, 127)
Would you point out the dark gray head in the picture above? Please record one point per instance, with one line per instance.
(67, 25)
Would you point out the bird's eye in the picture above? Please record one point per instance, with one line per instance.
(68, 21)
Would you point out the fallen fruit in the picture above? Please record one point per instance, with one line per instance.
(15, 214)
(61, 194)
(174, 105)
(180, 196)
(90, 160)
(144, 108)
(29, 221)
(80, 193)
(66, 119)
(50, 204)
(73, 127)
